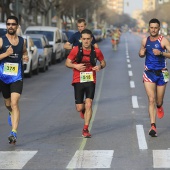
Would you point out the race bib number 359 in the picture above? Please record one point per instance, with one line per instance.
(86, 77)
(10, 69)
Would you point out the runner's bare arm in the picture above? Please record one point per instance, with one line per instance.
(142, 50)
(166, 44)
(67, 46)
(96, 45)
(101, 66)
(70, 64)
(25, 53)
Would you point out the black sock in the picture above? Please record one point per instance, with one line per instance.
(153, 124)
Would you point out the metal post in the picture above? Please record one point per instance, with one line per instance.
(74, 16)
(16, 9)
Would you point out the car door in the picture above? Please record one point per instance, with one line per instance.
(58, 38)
(34, 52)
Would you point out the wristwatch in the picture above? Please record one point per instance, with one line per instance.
(161, 53)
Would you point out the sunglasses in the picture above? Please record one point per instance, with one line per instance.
(13, 24)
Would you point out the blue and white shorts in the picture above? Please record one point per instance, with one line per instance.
(159, 77)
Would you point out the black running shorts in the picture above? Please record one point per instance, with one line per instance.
(83, 89)
(7, 89)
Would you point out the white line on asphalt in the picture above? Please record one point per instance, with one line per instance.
(135, 102)
(127, 56)
(141, 137)
(129, 66)
(89, 159)
(161, 159)
(130, 73)
(132, 84)
(128, 61)
(15, 159)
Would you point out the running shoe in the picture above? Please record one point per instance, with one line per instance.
(86, 134)
(82, 113)
(160, 112)
(12, 138)
(153, 131)
(9, 119)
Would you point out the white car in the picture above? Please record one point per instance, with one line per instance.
(54, 37)
(3, 29)
(33, 63)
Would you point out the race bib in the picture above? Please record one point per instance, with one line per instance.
(10, 69)
(165, 75)
(86, 77)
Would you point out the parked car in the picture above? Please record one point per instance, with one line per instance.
(39, 41)
(98, 34)
(54, 37)
(32, 64)
(3, 29)
(64, 40)
(69, 33)
(49, 49)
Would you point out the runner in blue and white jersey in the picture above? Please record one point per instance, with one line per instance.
(155, 49)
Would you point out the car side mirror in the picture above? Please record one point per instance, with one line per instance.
(32, 49)
(58, 41)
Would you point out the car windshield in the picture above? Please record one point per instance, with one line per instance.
(48, 34)
(37, 42)
(3, 31)
(68, 33)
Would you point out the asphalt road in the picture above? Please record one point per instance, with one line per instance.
(49, 134)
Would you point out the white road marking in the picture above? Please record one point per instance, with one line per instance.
(15, 159)
(130, 73)
(129, 66)
(128, 61)
(127, 56)
(141, 137)
(91, 159)
(161, 158)
(132, 84)
(135, 102)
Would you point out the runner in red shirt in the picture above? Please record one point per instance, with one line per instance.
(84, 77)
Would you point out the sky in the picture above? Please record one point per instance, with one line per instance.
(132, 5)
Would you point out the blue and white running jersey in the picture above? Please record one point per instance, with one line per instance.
(153, 62)
(11, 67)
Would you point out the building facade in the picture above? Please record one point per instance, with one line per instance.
(116, 5)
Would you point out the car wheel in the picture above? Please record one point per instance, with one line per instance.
(44, 67)
(30, 71)
(54, 58)
(47, 65)
(36, 71)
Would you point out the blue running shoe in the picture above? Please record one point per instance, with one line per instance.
(12, 138)
(9, 119)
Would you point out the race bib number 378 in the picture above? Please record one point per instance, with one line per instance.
(86, 77)
(10, 69)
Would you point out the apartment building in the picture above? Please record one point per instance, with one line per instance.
(116, 5)
(149, 5)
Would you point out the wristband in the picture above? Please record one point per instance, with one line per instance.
(161, 53)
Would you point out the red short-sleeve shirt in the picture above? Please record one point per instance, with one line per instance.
(86, 61)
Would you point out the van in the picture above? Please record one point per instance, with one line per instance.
(3, 29)
(54, 37)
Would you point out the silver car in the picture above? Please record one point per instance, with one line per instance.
(33, 63)
(39, 41)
